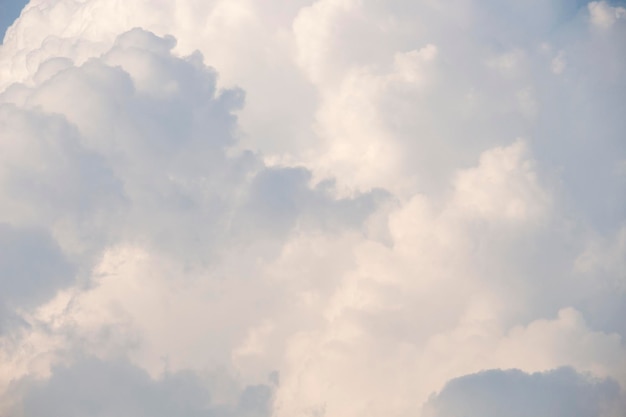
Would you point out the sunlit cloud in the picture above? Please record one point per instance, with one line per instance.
(331, 208)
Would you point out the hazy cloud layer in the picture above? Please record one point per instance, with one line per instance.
(332, 208)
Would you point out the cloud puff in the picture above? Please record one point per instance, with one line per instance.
(116, 388)
(443, 300)
(561, 392)
(138, 180)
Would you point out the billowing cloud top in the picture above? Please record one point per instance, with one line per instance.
(329, 208)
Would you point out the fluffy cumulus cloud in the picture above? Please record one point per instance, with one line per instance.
(330, 208)
(561, 392)
(93, 387)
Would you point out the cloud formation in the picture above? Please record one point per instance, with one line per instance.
(561, 392)
(327, 208)
(93, 387)
(33, 267)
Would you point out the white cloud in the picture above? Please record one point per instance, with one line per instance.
(558, 63)
(137, 185)
(442, 301)
(603, 15)
(341, 201)
(504, 186)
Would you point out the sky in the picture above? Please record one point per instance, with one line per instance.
(9, 11)
(313, 208)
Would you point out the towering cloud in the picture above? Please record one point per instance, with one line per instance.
(326, 208)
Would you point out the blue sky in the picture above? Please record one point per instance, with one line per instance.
(9, 11)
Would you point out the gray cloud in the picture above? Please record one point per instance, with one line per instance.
(93, 387)
(558, 393)
(147, 142)
(32, 268)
